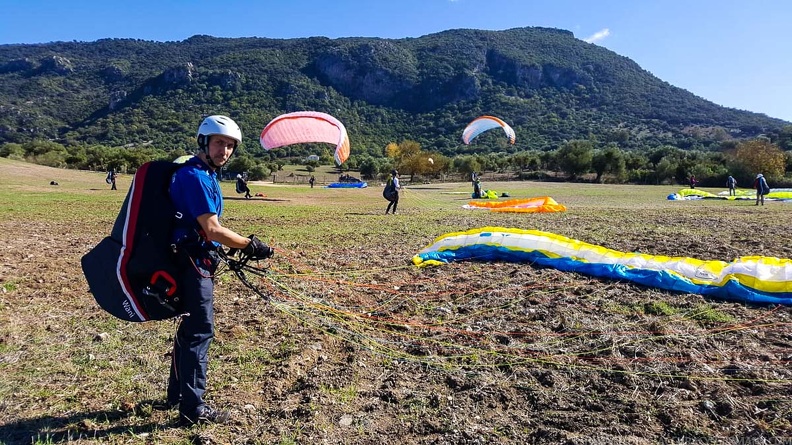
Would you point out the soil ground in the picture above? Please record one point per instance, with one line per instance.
(358, 346)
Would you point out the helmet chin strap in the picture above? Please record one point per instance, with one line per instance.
(208, 160)
(211, 163)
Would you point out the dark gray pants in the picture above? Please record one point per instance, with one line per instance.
(394, 202)
(187, 380)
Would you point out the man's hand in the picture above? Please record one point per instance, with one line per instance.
(257, 250)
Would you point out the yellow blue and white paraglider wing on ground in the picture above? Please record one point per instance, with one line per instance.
(778, 194)
(753, 279)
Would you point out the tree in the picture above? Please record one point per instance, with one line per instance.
(12, 151)
(788, 161)
(258, 172)
(610, 160)
(665, 169)
(438, 165)
(574, 157)
(785, 138)
(526, 160)
(241, 164)
(466, 165)
(408, 157)
(369, 166)
(760, 156)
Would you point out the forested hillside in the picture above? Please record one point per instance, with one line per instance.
(550, 86)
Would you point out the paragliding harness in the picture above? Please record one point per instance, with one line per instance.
(389, 192)
(241, 186)
(762, 184)
(133, 274)
(109, 178)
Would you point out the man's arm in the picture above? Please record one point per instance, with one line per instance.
(216, 232)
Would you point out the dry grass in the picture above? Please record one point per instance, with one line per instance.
(358, 346)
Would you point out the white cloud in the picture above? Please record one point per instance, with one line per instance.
(597, 36)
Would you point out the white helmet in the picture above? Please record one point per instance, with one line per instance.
(218, 125)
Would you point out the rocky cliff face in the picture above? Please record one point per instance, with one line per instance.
(506, 69)
(179, 76)
(384, 73)
(12, 66)
(53, 64)
(376, 72)
(113, 73)
(116, 98)
(57, 65)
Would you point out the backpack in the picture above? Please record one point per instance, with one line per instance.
(109, 178)
(133, 273)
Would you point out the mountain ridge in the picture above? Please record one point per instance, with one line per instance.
(549, 85)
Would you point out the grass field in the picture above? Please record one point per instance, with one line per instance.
(358, 346)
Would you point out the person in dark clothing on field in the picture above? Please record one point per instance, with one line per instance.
(477, 189)
(241, 185)
(391, 192)
(111, 179)
(731, 183)
(760, 184)
(693, 182)
(198, 235)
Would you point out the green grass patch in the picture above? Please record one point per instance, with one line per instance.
(659, 308)
(708, 314)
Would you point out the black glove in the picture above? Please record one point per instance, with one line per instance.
(257, 250)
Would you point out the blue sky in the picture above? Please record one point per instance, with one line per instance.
(736, 53)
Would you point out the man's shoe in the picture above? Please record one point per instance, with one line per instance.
(164, 405)
(203, 415)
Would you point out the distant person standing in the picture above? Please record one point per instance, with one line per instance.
(760, 184)
(731, 183)
(312, 180)
(693, 182)
(111, 179)
(391, 192)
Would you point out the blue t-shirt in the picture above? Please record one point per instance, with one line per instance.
(194, 191)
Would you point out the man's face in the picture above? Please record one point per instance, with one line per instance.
(220, 148)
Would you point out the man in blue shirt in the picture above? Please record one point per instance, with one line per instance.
(196, 195)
